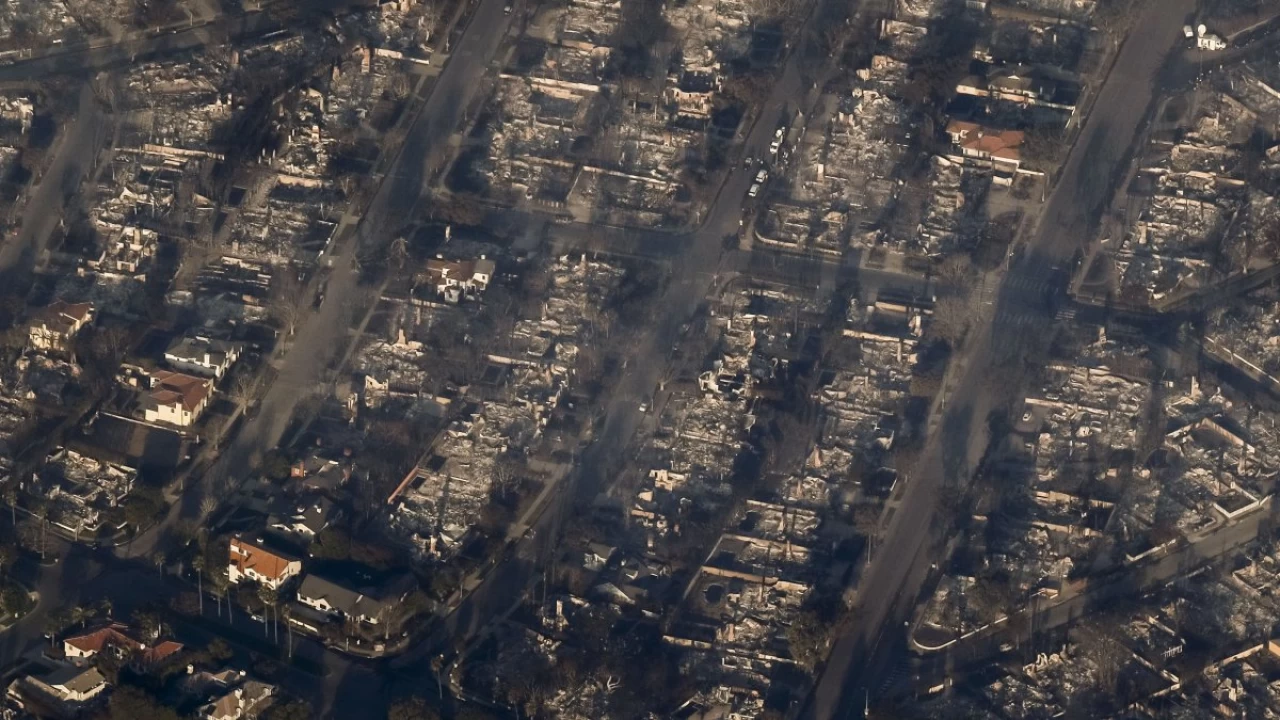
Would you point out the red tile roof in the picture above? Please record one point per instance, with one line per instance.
(997, 143)
(170, 388)
(115, 634)
(245, 555)
(164, 649)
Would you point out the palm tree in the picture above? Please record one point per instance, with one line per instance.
(6, 559)
(288, 628)
(83, 614)
(268, 596)
(41, 510)
(52, 626)
(197, 564)
(159, 559)
(219, 582)
(11, 497)
(105, 606)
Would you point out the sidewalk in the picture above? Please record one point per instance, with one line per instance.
(1073, 600)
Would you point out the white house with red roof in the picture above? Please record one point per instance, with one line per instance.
(176, 398)
(250, 561)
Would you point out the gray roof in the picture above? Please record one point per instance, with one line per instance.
(312, 511)
(74, 679)
(195, 347)
(350, 602)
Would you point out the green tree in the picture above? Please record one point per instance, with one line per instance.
(7, 554)
(219, 651)
(145, 503)
(132, 703)
(412, 709)
(807, 638)
(16, 601)
(57, 621)
(1044, 149)
(149, 623)
(474, 712)
(276, 466)
(292, 710)
(332, 544)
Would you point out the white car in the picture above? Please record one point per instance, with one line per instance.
(762, 176)
(755, 190)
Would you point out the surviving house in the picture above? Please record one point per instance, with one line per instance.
(55, 326)
(176, 398)
(303, 517)
(246, 700)
(1001, 148)
(202, 356)
(119, 641)
(453, 280)
(71, 684)
(1037, 86)
(115, 639)
(248, 561)
(333, 599)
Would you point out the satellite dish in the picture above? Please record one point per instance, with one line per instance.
(1201, 29)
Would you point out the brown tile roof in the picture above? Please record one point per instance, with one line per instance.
(163, 650)
(245, 555)
(170, 388)
(115, 634)
(998, 143)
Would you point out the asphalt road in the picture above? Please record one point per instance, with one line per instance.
(322, 334)
(1023, 311)
(357, 688)
(74, 153)
(350, 689)
(696, 260)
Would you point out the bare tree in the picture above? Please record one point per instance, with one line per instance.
(955, 272)
(399, 86)
(505, 475)
(952, 318)
(398, 252)
(429, 13)
(247, 387)
(1097, 641)
(770, 11)
(285, 303)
